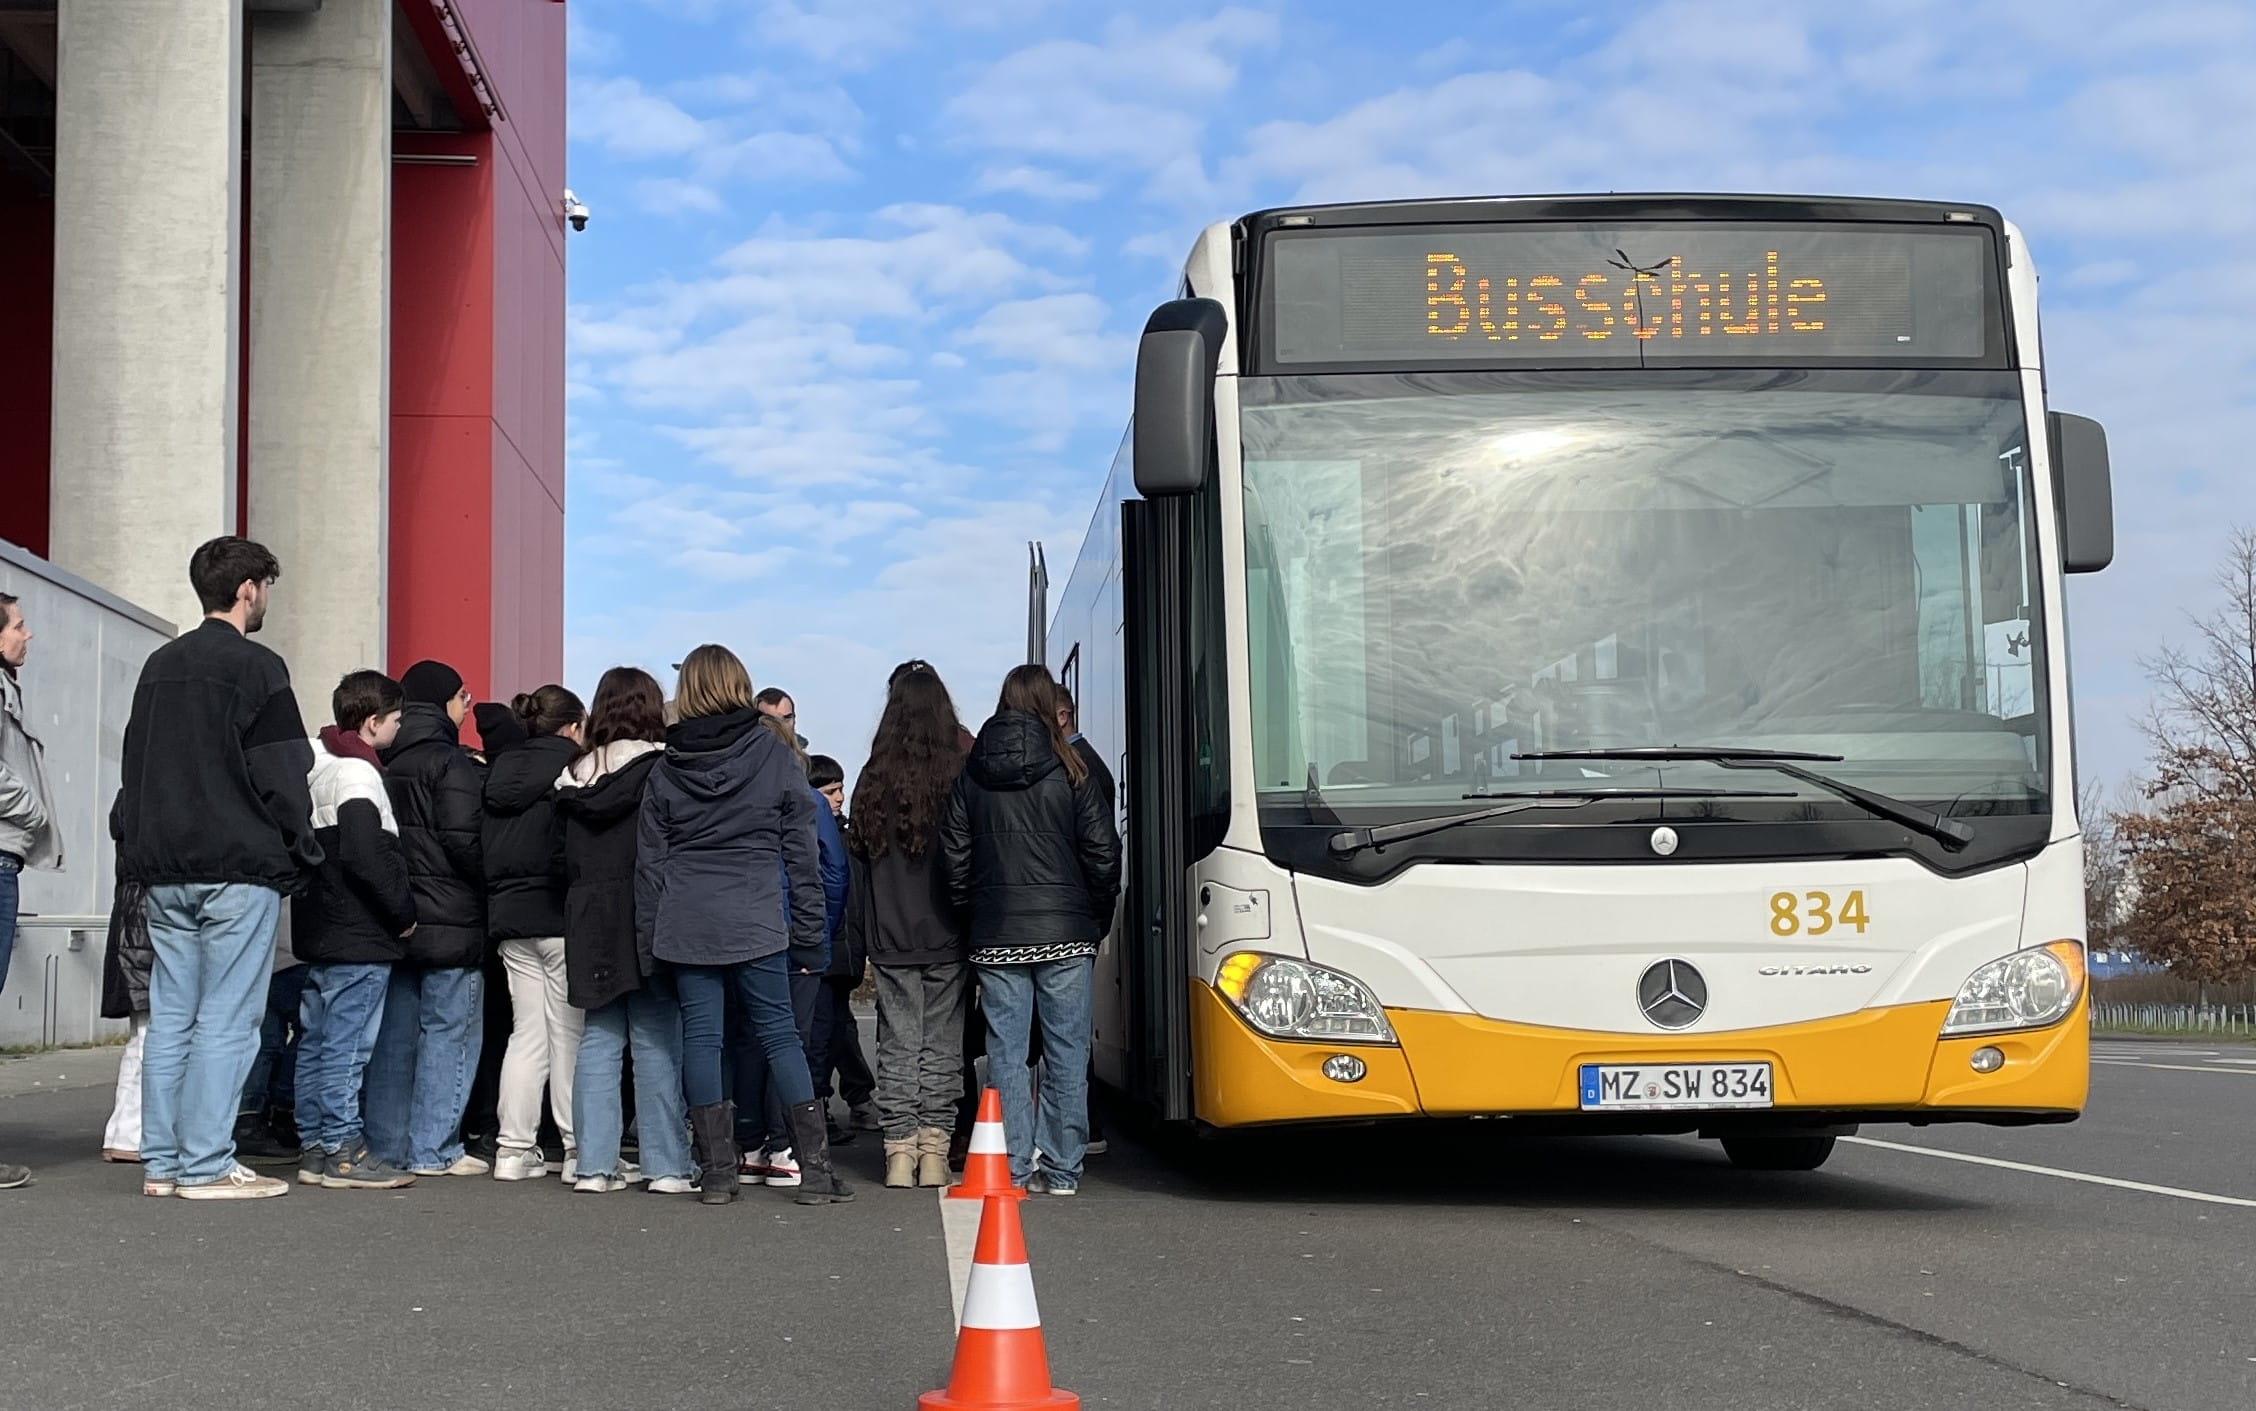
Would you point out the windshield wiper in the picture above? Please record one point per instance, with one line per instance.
(1355, 840)
(1951, 833)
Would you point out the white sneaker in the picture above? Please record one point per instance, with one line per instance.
(631, 1173)
(513, 1165)
(463, 1165)
(599, 1185)
(783, 1168)
(674, 1185)
(242, 1183)
(753, 1165)
(159, 1185)
(571, 1163)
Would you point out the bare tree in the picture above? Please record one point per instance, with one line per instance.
(2189, 848)
(2107, 889)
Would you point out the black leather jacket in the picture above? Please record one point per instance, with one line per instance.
(1032, 859)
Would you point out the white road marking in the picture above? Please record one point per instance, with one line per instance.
(2171, 1067)
(959, 1222)
(2086, 1177)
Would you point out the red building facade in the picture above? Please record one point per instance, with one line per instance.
(470, 564)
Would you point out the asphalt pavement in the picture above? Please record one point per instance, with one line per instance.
(2111, 1262)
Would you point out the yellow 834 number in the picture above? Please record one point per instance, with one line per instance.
(1816, 913)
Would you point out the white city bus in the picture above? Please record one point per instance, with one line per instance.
(1597, 661)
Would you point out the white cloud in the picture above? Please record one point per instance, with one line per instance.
(1136, 99)
(854, 35)
(778, 156)
(627, 120)
(587, 46)
(729, 566)
(1053, 330)
(1035, 182)
(671, 195)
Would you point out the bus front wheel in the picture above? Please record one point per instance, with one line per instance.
(1778, 1151)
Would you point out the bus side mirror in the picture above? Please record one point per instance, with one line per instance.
(2087, 498)
(1174, 428)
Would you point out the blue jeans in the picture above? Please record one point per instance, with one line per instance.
(9, 895)
(1055, 994)
(760, 1118)
(419, 1076)
(649, 1020)
(339, 1011)
(763, 988)
(274, 1073)
(214, 945)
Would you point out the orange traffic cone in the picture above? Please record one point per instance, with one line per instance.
(987, 1167)
(1001, 1364)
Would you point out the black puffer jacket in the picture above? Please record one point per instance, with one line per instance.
(1032, 859)
(601, 817)
(728, 802)
(524, 840)
(435, 798)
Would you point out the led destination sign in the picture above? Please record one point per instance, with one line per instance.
(1655, 294)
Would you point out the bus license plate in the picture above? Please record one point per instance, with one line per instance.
(1645, 1087)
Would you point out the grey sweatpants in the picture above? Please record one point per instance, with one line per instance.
(920, 1019)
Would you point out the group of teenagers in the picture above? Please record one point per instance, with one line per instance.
(678, 897)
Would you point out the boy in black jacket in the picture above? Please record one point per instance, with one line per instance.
(427, 1046)
(349, 928)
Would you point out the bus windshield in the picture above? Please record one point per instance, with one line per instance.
(1448, 570)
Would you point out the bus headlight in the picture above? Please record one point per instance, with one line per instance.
(1292, 999)
(2025, 990)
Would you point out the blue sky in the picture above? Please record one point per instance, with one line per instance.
(855, 316)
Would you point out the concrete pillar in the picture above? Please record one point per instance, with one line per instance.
(320, 232)
(148, 205)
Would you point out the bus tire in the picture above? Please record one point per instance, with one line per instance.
(1778, 1151)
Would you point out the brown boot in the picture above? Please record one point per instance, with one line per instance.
(901, 1163)
(932, 1157)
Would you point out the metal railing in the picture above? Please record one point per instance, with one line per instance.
(2222, 1020)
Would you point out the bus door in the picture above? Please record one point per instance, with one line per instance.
(1156, 914)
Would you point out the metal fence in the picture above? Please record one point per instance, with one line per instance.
(2223, 1020)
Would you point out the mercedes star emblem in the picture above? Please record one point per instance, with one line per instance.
(1664, 842)
(1671, 994)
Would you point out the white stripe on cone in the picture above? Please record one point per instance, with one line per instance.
(987, 1139)
(1001, 1298)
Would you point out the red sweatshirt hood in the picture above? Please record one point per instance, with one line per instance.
(348, 745)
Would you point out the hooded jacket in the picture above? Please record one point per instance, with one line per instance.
(1032, 859)
(600, 801)
(524, 840)
(214, 768)
(361, 903)
(436, 802)
(719, 812)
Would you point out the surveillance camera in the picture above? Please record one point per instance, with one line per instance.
(575, 210)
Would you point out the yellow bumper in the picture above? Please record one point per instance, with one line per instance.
(1456, 1065)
